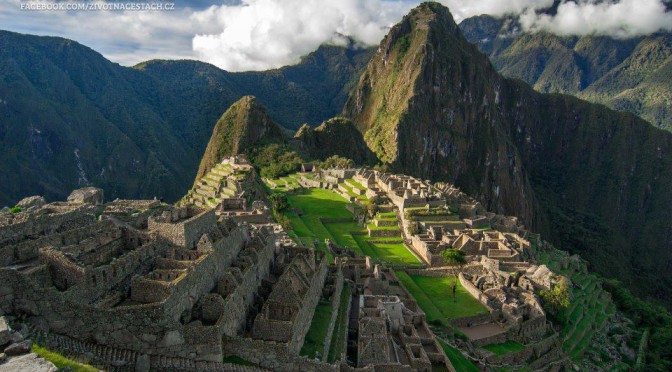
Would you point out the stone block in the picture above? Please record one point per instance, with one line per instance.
(19, 348)
(29, 362)
(31, 201)
(142, 364)
(5, 332)
(87, 195)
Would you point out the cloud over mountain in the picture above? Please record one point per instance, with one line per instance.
(262, 34)
(622, 19)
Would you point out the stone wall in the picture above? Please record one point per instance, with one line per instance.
(237, 302)
(51, 218)
(277, 356)
(185, 233)
(305, 316)
(471, 288)
(374, 233)
(152, 329)
(335, 304)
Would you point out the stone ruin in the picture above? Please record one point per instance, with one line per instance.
(138, 284)
(147, 286)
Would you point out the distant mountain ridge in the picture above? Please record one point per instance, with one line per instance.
(69, 117)
(632, 74)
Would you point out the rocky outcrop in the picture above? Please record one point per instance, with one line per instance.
(244, 124)
(337, 136)
(31, 201)
(87, 195)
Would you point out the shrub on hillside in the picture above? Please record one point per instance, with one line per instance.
(275, 160)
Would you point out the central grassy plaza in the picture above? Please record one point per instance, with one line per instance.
(435, 297)
(319, 214)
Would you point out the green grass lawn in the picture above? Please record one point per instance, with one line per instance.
(316, 204)
(439, 293)
(395, 254)
(319, 203)
(431, 311)
(348, 189)
(314, 342)
(505, 347)
(62, 362)
(341, 231)
(459, 361)
(355, 184)
(338, 337)
(374, 227)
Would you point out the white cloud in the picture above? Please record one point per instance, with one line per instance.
(262, 34)
(125, 37)
(624, 18)
(462, 9)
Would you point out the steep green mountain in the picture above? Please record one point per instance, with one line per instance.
(595, 181)
(69, 117)
(624, 74)
(337, 136)
(244, 124)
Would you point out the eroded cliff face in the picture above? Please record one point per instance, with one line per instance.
(428, 105)
(595, 181)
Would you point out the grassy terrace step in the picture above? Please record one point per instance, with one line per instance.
(205, 186)
(348, 190)
(374, 227)
(504, 348)
(213, 177)
(319, 204)
(387, 214)
(457, 359)
(355, 184)
(61, 362)
(221, 173)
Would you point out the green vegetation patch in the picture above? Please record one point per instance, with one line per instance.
(503, 348)
(314, 342)
(336, 348)
(459, 361)
(394, 253)
(355, 184)
(234, 359)
(440, 294)
(62, 362)
(316, 205)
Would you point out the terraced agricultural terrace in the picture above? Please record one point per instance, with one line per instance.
(319, 214)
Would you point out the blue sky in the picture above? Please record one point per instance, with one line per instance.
(240, 35)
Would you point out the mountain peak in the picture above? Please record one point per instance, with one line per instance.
(243, 125)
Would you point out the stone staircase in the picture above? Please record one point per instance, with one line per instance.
(218, 184)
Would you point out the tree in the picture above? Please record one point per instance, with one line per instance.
(275, 160)
(337, 162)
(556, 299)
(454, 257)
(278, 202)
